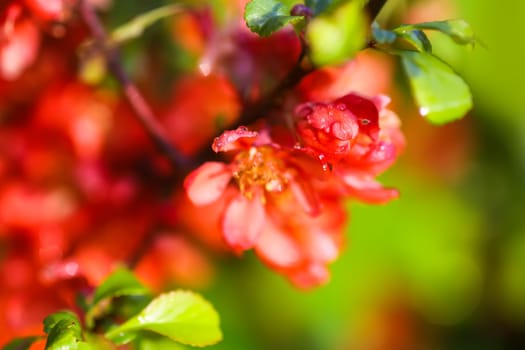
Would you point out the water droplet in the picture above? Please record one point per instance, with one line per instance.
(205, 68)
(341, 106)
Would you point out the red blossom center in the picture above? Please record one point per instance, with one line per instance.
(258, 168)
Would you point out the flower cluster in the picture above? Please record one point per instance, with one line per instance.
(285, 200)
(83, 189)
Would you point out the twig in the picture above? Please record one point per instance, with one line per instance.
(141, 109)
(373, 7)
(259, 109)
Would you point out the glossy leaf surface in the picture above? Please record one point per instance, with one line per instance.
(441, 94)
(119, 283)
(181, 316)
(267, 16)
(457, 29)
(64, 332)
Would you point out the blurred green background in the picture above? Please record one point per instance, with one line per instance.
(444, 266)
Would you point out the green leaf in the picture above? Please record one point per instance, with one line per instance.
(405, 39)
(441, 94)
(122, 337)
(267, 16)
(120, 282)
(152, 342)
(52, 320)
(136, 26)
(335, 38)
(64, 332)
(457, 29)
(98, 342)
(181, 316)
(417, 40)
(21, 343)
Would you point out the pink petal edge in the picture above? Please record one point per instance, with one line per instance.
(207, 183)
(243, 222)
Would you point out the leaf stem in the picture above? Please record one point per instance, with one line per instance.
(141, 108)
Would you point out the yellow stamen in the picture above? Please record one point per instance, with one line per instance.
(259, 169)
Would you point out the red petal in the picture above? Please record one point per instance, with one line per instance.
(381, 101)
(305, 196)
(367, 189)
(322, 247)
(365, 111)
(345, 129)
(205, 184)
(243, 222)
(309, 276)
(233, 139)
(276, 248)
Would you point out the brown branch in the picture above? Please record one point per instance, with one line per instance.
(373, 7)
(274, 98)
(141, 109)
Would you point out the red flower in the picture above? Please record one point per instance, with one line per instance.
(352, 138)
(357, 138)
(329, 130)
(268, 183)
